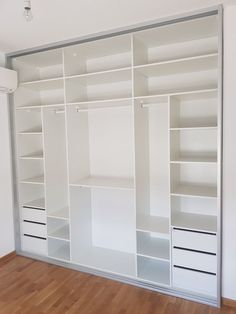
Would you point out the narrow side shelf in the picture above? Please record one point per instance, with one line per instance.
(194, 191)
(60, 233)
(35, 180)
(157, 224)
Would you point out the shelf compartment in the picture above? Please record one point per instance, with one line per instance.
(184, 39)
(159, 225)
(105, 182)
(153, 270)
(99, 87)
(59, 249)
(194, 191)
(30, 147)
(39, 66)
(149, 245)
(60, 214)
(60, 233)
(97, 56)
(207, 223)
(35, 180)
(37, 204)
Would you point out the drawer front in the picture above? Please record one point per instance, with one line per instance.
(34, 245)
(195, 281)
(194, 240)
(32, 214)
(195, 260)
(34, 229)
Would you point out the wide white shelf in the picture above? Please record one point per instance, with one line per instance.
(60, 214)
(178, 66)
(37, 203)
(195, 221)
(60, 233)
(106, 259)
(105, 102)
(45, 84)
(194, 159)
(105, 182)
(36, 155)
(153, 270)
(35, 180)
(157, 224)
(42, 81)
(38, 107)
(152, 246)
(194, 191)
(62, 253)
(98, 73)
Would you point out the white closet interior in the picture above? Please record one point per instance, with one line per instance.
(118, 154)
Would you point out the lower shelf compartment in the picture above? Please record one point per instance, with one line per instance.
(154, 270)
(59, 249)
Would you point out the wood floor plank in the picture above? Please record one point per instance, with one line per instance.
(32, 287)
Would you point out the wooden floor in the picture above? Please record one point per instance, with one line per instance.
(28, 286)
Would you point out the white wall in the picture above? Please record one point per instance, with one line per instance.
(6, 209)
(229, 156)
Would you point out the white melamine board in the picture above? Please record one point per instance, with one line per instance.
(60, 214)
(195, 221)
(62, 232)
(194, 190)
(31, 193)
(37, 203)
(29, 168)
(55, 160)
(29, 145)
(113, 219)
(28, 122)
(58, 249)
(100, 55)
(42, 65)
(153, 270)
(157, 224)
(105, 182)
(103, 104)
(35, 180)
(148, 244)
(194, 159)
(35, 155)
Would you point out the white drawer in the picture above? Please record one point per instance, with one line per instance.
(34, 245)
(34, 229)
(195, 260)
(194, 240)
(32, 214)
(194, 281)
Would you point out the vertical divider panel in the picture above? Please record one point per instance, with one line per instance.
(169, 155)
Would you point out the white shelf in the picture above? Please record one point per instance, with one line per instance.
(35, 180)
(105, 102)
(153, 270)
(38, 107)
(60, 214)
(195, 128)
(38, 204)
(38, 155)
(42, 81)
(195, 222)
(194, 159)
(35, 131)
(151, 246)
(105, 182)
(45, 84)
(157, 224)
(195, 191)
(182, 65)
(61, 233)
(62, 253)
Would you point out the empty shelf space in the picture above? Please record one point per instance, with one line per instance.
(60, 233)
(157, 224)
(195, 191)
(189, 64)
(61, 253)
(38, 204)
(35, 180)
(60, 214)
(194, 159)
(36, 155)
(195, 221)
(105, 182)
(153, 270)
(151, 246)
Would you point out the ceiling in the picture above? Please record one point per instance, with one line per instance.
(57, 20)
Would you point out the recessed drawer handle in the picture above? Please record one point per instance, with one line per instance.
(32, 236)
(196, 270)
(191, 250)
(195, 231)
(35, 222)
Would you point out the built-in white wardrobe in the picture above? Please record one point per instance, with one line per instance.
(118, 156)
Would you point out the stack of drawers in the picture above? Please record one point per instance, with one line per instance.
(194, 261)
(34, 230)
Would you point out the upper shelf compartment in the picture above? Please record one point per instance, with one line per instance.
(39, 66)
(174, 41)
(98, 56)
